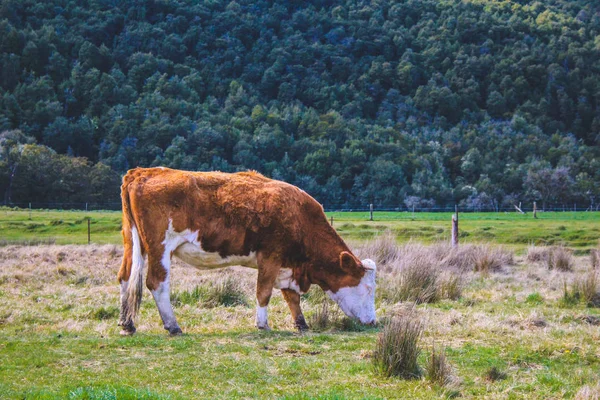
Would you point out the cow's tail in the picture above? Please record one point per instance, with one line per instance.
(134, 254)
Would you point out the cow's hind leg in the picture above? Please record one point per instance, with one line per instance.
(159, 271)
(293, 300)
(125, 319)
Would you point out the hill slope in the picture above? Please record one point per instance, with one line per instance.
(356, 102)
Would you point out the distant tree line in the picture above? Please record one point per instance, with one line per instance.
(430, 102)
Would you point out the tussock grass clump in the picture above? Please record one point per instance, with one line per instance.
(438, 370)
(224, 292)
(417, 282)
(536, 254)
(487, 259)
(104, 313)
(383, 249)
(322, 318)
(494, 374)
(397, 349)
(559, 258)
(450, 286)
(583, 289)
(478, 258)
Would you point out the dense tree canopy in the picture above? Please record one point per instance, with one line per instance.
(396, 102)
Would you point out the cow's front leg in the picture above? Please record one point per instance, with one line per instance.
(159, 269)
(293, 300)
(267, 273)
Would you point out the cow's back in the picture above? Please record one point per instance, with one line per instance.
(234, 214)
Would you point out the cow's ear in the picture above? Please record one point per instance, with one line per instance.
(348, 262)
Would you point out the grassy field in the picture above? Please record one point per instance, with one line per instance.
(580, 231)
(516, 329)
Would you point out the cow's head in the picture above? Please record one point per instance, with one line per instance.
(357, 301)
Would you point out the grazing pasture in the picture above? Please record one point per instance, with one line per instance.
(497, 321)
(578, 230)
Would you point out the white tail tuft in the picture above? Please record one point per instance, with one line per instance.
(136, 277)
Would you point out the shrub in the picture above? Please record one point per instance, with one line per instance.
(559, 258)
(438, 369)
(397, 348)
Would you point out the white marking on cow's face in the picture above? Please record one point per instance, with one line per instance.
(261, 317)
(285, 280)
(359, 301)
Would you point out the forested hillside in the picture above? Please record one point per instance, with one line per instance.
(423, 102)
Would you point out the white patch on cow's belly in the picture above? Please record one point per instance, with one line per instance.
(194, 255)
(285, 280)
(185, 246)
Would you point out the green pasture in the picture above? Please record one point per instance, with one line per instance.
(578, 230)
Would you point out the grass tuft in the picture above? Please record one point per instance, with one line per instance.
(322, 319)
(559, 258)
(104, 313)
(224, 292)
(438, 370)
(383, 249)
(417, 282)
(494, 374)
(397, 349)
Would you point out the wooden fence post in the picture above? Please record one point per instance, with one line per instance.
(534, 210)
(332, 220)
(30, 211)
(89, 236)
(371, 212)
(454, 240)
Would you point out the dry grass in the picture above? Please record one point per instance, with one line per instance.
(584, 288)
(559, 258)
(322, 318)
(397, 349)
(595, 258)
(383, 249)
(537, 254)
(588, 393)
(67, 296)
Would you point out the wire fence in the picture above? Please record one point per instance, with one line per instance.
(116, 206)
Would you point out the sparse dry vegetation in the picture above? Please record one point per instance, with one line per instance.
(518, 318)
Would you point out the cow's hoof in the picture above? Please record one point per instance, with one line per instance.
(264, 328)
(175, 331)
(301, 324)
(127, 332)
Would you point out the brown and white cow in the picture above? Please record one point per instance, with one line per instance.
(214, 220)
